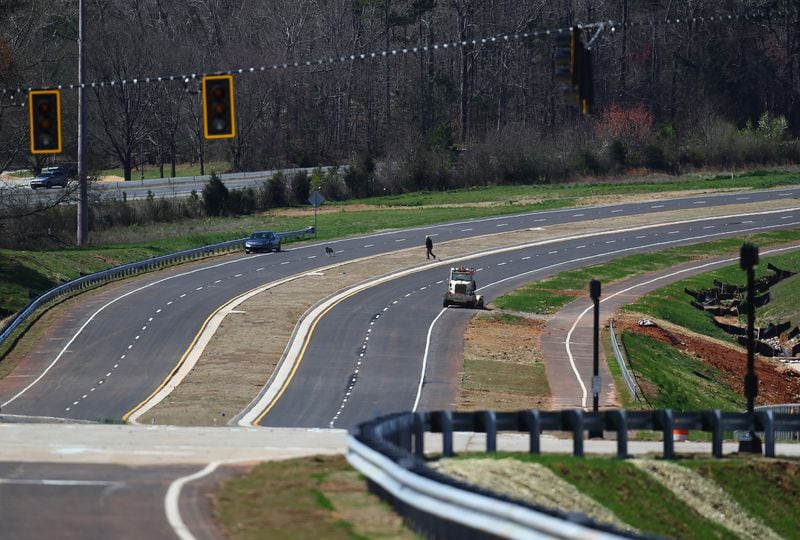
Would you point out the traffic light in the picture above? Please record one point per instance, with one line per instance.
(572, 64)
(565, 59)
(219, 120)
(45, 121)
(586, 82)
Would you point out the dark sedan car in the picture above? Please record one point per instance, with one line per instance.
(50, 178)
(262, 241)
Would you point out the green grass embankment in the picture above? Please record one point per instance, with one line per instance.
(672, 304)
(697, 498)
(548, 295)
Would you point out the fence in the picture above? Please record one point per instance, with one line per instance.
(626, 374)
(390, 452)
(783, 408)
(127, 270)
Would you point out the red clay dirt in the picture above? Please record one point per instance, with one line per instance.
(778, 383)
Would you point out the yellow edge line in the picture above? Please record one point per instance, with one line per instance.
(300, 356)
(183, 357)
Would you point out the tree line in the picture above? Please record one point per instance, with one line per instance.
(678, 85)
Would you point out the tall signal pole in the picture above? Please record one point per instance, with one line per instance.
(83, 196)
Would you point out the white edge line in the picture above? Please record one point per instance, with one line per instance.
(510, 248)
(288, 361)
(425, 360)
(199, 346)
(172, 498)
(572, 359)
(95, 314)
(292, 354)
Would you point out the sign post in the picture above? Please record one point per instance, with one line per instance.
(316, 199)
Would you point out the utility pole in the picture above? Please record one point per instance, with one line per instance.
(83, 192)
(748, 260)
(594, 293)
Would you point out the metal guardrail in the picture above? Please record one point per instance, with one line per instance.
(390, 452)
(782, 408)
(130, 269)
(623, 367)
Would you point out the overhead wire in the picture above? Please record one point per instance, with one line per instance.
(611, 25)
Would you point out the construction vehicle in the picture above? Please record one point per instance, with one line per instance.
(461, 289)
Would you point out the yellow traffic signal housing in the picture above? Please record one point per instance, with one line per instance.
(44, 107)
(573, 68)
(586, 82)
(219, 118)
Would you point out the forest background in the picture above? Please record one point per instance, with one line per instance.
(678, 85)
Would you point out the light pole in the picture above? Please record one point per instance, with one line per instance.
(748, 260)
(83, 196)
(594, 293)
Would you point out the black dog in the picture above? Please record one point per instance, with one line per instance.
(329, 251)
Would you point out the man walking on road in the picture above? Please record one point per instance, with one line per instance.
(429, 248)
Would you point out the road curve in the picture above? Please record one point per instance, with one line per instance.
(371, 352)
(115, 349)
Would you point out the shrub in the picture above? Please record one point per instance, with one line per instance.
(328, 182)
(359, 175)
(215, 196)
(618, 154)
(587, 163)
(241, 202)
(299, 191)
(275, 191)
(653, 158)
(425, 169)
(631, 124)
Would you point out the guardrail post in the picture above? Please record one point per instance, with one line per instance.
(419, 434)
(768, 419)
(490, 423)
(667, 427)
(576, 421)
(716, 433)
(447, 433)
(619, 418)
(403, 432)
(533, 421)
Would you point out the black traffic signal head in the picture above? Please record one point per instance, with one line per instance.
(568, 56)
(563, 59)
(45, 121)
(219, 119)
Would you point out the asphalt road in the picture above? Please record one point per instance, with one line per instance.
(139, 188)
(117, 348)
(86, 501)
(367, 356)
